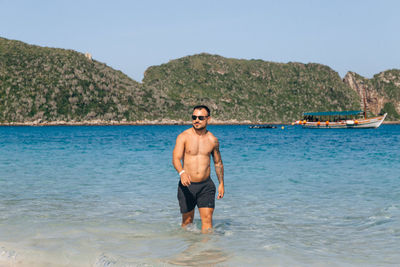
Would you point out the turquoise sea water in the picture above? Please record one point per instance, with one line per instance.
(106, 196)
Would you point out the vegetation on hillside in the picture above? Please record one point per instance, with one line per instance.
(249, 89)
(48, 84)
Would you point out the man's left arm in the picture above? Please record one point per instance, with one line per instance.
(219, 169)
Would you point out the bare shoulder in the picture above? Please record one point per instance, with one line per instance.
(186, 133)
(213, 139)
(183, 136)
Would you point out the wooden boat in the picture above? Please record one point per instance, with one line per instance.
(339, 119)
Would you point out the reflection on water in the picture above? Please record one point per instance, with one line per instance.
(200, 250)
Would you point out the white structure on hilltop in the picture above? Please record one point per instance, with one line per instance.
(88, 56)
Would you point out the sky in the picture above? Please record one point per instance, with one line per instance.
(350, 35)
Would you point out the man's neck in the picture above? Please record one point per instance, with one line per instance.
(200, 132)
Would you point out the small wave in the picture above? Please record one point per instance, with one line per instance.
(105, 261)
(294, 181)
(110, 261)
(223, 225)
(228, 233)
(193, 228)
(393, 210)
(222, 230)
(271, 247)
(207, 257)
(7, 255)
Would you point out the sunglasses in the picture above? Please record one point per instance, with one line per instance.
(202, 118)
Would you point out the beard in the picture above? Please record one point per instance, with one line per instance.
(198, 126)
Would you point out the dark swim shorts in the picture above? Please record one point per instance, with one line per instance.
(201, 194)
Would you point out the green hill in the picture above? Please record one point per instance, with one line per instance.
(249, 89)
(50, 85)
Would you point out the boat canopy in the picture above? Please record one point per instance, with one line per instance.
(334, 113)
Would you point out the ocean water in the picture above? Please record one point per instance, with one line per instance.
(106, 196)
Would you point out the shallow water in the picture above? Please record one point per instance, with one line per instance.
(106, 196)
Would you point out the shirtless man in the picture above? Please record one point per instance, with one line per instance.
(193, 148)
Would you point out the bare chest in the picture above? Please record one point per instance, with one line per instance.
(198, 146)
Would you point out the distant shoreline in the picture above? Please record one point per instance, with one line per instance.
(144, 123)
(129, 123)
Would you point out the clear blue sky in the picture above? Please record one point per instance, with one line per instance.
(360, 36)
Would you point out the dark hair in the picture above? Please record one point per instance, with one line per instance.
(202, 107)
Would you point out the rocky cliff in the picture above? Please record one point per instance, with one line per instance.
(382, 92)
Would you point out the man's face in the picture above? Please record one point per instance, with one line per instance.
(200, 114)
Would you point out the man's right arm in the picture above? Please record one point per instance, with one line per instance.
(177, 156)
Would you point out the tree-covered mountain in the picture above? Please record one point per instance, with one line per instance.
(47, 85)
(249, 89)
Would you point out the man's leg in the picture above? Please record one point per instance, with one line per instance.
(187, 218)
(206, 219)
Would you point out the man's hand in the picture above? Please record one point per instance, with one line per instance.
(185, 179)
(220, 191)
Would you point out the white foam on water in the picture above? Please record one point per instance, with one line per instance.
(193, 228)
(8, 257)
(271, 247)
(107, 260)
(228, 233)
